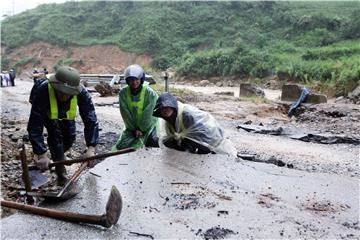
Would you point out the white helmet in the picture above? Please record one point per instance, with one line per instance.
(134, 71)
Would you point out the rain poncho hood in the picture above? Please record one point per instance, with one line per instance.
(193, 124)
(165, 100)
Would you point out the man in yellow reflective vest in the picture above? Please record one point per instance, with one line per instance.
(54, 106)
(137, 101)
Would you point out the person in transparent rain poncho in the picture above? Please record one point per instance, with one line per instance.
(190, 129)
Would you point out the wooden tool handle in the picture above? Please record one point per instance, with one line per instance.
(62, 215)
(104, 155)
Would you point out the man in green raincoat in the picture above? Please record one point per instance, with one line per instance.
(137, 101)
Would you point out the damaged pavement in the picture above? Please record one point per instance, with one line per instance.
(169, 194)
(278, 187)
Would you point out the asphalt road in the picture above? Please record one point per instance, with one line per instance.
(169, 194)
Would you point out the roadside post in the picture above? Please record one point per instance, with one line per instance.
(165, 75)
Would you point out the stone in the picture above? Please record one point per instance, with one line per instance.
(230, 84)
(15, 137)
(354, 96)
(219, 84)
(338, 99)
(292, 92)
(229, 93)
(204, 83)
(104, 89)
(316, 98)
(248, 90)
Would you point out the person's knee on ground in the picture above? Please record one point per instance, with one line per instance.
(173, 144)
(194, 147)
(153, 139)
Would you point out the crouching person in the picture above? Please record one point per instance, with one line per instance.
(190, 129)
(54, 107)
(137, 101)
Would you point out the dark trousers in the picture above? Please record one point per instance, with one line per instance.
(61, 136)
(153, 139)
(187, 145)
(12, 81)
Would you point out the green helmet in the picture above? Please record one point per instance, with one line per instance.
(66, 80)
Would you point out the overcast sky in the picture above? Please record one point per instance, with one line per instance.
(9, 7)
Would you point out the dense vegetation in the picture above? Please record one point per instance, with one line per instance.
(313, 42)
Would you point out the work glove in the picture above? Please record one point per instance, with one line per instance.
(138, 134)
(42, 162)
(89, 152)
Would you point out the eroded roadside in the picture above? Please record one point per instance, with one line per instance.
(336, 159)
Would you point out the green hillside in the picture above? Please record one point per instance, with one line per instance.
(313, 42)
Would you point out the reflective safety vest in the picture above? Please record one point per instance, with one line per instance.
(54, 112)
(136, 107)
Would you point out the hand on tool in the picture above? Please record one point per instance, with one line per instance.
(89, 152)
(43, 162)
(138, 134)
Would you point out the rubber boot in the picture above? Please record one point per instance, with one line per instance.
(61, 175)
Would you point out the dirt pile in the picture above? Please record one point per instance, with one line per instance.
(354, 96)
(105, 90)
(330, 118)
(88, 59)
(12, 134)
(215, 233)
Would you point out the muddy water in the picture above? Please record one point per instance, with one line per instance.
(170, 194)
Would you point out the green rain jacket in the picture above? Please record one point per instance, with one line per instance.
(137, 114)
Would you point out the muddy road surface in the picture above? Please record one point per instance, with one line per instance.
(313, 194)
(168, 194)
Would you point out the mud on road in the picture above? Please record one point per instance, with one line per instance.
(341, 160)
(15, 110)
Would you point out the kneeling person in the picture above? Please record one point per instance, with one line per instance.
(188, 128)
(137, 101)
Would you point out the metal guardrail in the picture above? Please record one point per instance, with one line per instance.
(111, 79)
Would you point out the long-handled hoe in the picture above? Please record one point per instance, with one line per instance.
(109, 218)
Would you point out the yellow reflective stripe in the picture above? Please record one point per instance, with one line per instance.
(71, 114)
(53, 103)
(54, 112)
(137, 106)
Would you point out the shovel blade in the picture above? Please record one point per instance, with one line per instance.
(71, 191)
(37, 178)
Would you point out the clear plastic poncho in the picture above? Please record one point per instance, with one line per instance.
(200, 127)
